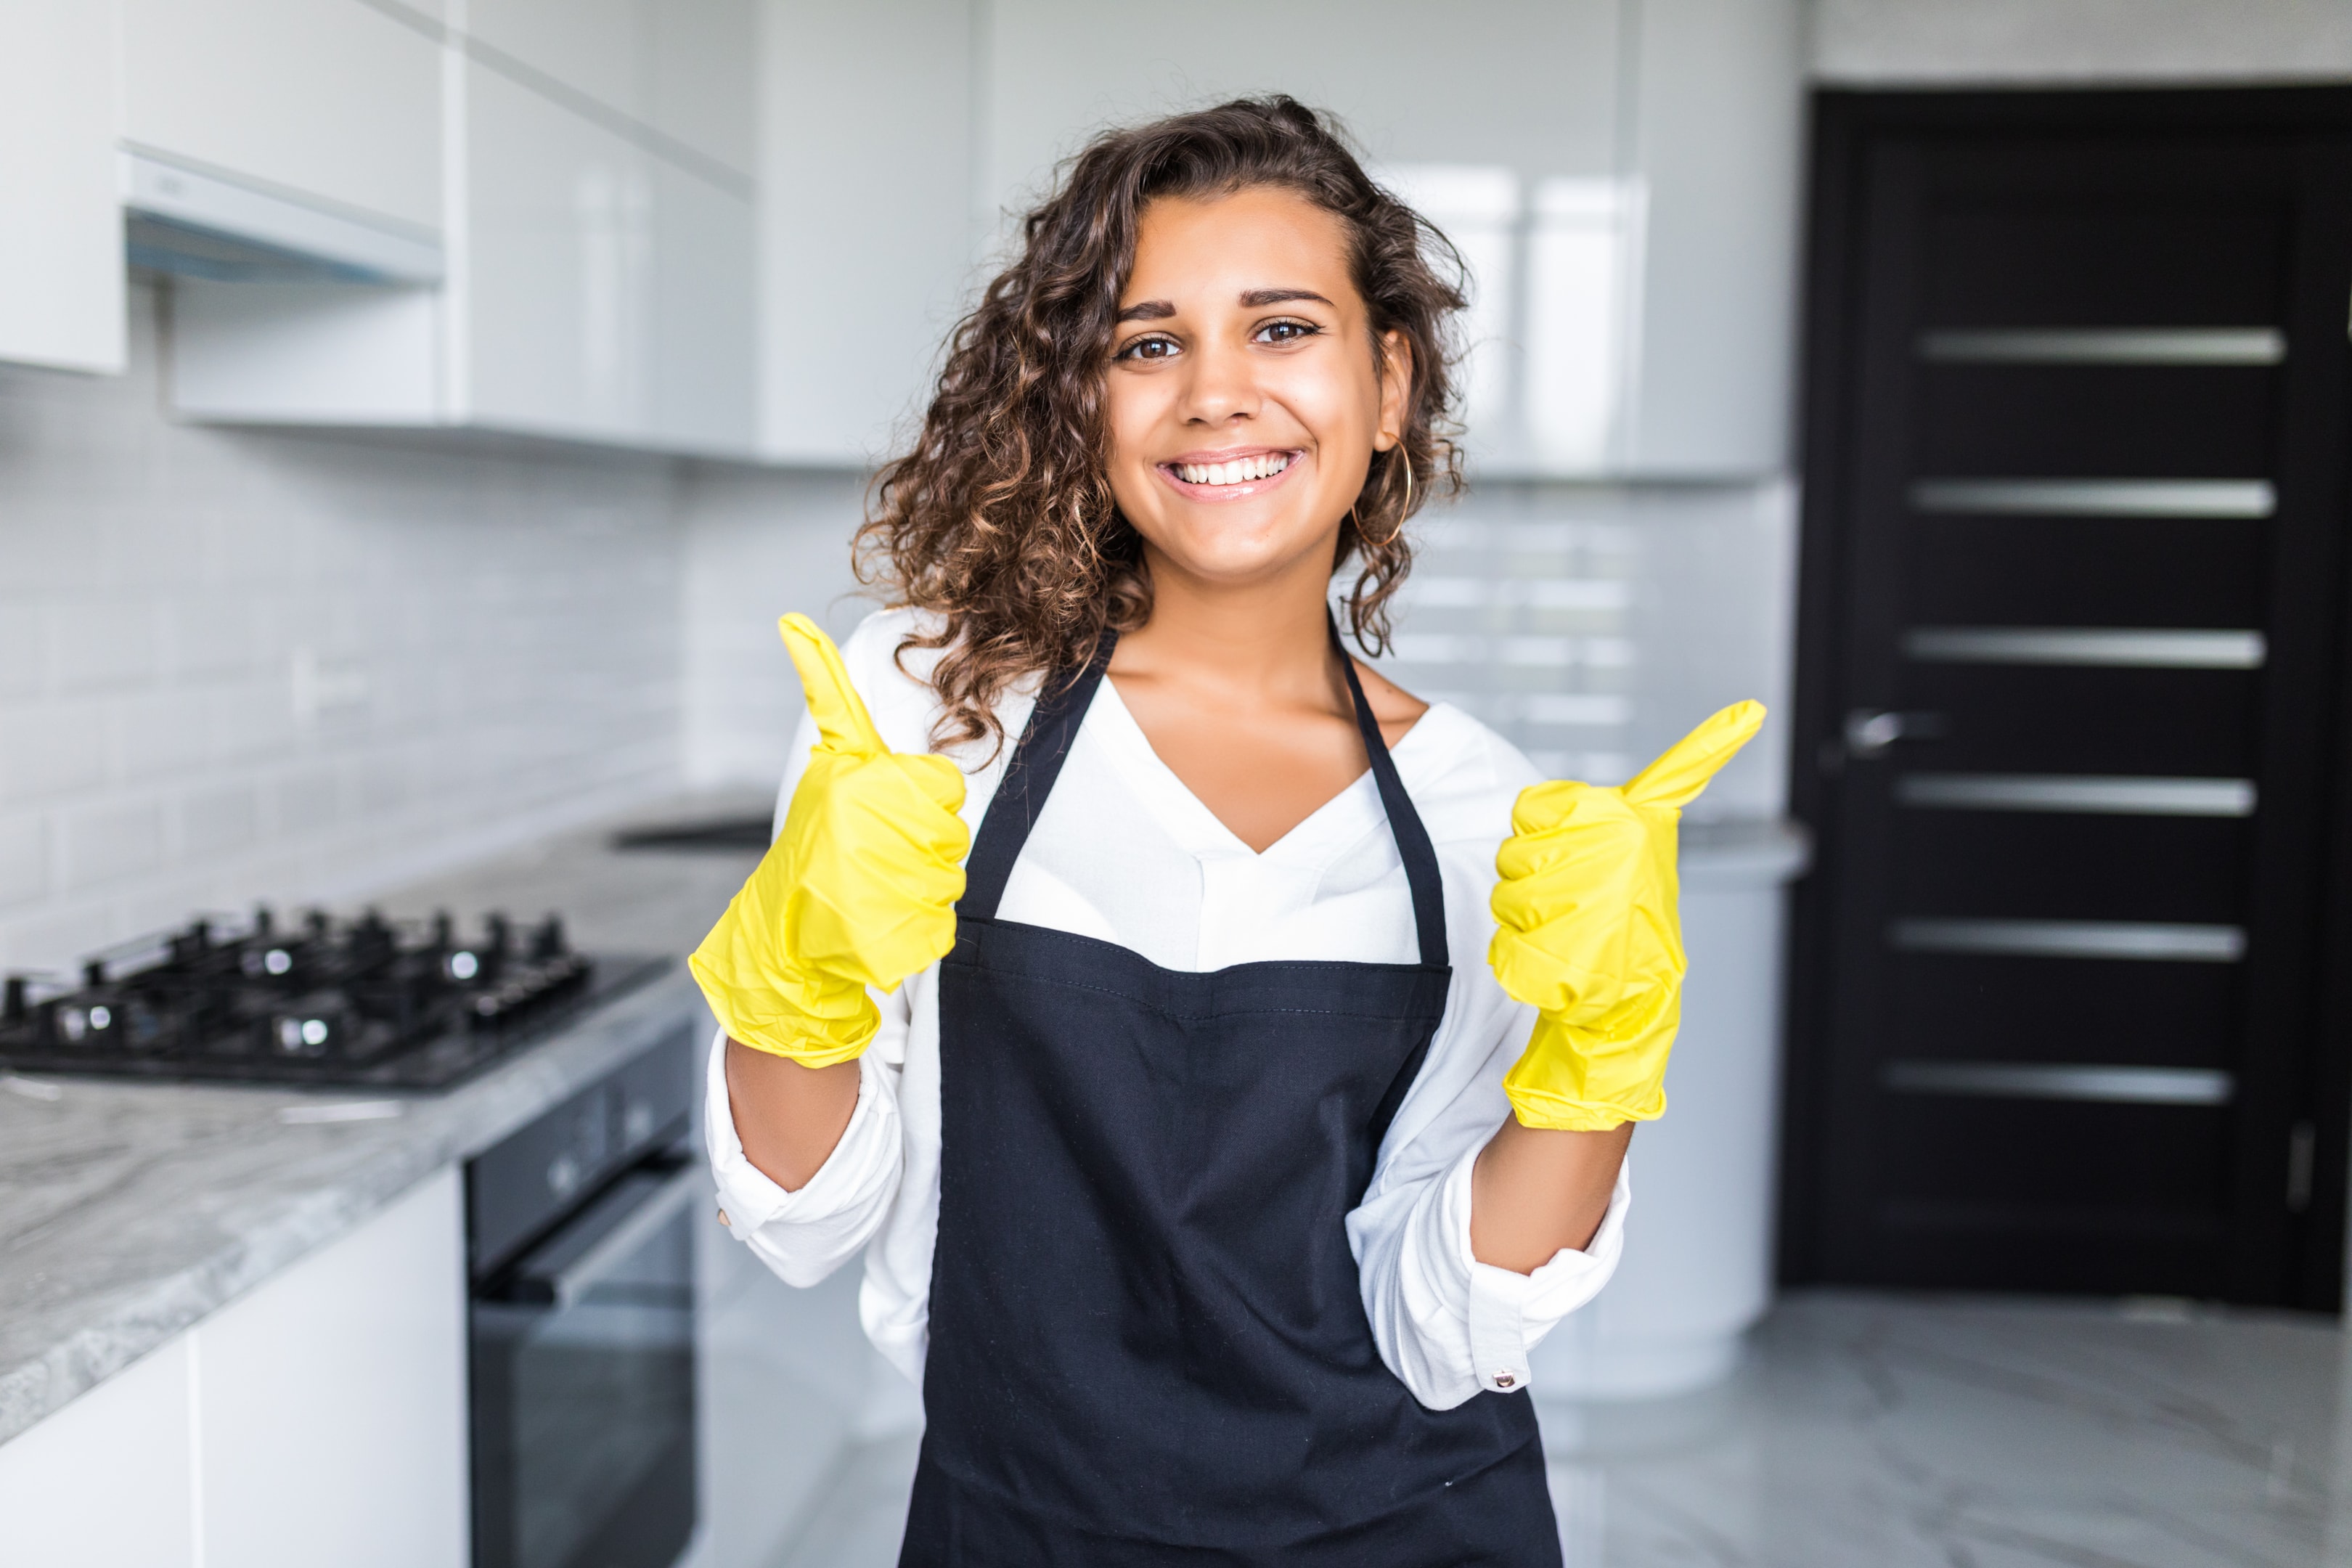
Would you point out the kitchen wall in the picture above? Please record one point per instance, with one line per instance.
(756, 544)
(1889, 42)
(1592, 623)
(238, 665)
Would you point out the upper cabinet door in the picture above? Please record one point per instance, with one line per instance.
(700, 77)
(331, 102)
(681, 69)
(1620, 176)
(1720, 136)
(589, 47)
(599, 278)
(61, 300)
(703, 378)
(867, 217)
(554, 297)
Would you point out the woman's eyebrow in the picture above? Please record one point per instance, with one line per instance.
(1252, 299)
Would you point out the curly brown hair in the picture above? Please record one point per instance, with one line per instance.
(1001, 520)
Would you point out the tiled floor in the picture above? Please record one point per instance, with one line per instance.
(1866, 1432)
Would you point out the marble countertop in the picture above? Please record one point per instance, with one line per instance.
(129, 1211)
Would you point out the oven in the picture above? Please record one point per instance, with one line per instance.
(582, 1321)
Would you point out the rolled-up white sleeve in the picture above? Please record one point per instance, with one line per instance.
(1446, 1325)
(806, 1234)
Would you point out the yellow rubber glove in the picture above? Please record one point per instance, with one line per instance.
(1589, 935)
(859, 890)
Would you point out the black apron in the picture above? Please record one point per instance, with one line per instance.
(1147, 1345)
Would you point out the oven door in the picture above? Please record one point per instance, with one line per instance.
(582, 1355)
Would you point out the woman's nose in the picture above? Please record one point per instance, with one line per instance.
(1222, 386)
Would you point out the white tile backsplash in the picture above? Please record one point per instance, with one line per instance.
(1592, 624)
(759, 544)
(240, 664)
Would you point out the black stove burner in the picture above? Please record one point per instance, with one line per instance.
(361, 1003)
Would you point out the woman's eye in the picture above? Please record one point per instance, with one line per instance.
(1147, 348)
(1285, 332)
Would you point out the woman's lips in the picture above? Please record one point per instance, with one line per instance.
(1239, 489)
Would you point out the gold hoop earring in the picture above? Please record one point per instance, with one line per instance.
(1407, 509)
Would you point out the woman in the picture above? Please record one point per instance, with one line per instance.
(1199, 1200)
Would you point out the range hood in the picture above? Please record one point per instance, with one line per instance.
(182, 220)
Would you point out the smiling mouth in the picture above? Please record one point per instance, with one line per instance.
(1234, 471)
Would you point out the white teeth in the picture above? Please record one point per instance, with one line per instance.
(1264, 466)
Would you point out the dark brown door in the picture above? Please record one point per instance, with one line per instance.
(2068, 687)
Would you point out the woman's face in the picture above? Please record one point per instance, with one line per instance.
(1244, 398)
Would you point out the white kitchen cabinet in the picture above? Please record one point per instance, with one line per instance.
(1523, 84)
(330, 1403)
(700, 77)
(608, 292)
(62, 280)
(682, 69)
(869, 219)
(1718, 144)
(108, 1481)
(333, 103)
(306, 353)
(553, 306)
(587, 45)
(595, 290)
(1623, 173)
(320, 1419)
(702, 369)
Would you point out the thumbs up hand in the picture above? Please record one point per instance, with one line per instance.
(858, 890)
(1589, 932)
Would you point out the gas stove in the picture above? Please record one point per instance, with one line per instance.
(358, 1002)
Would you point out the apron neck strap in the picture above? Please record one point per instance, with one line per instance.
(1028, 780)
(1046, 744)
(1412, 844)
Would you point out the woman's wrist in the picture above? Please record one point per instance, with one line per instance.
(1536, 1191)
(789, 1118)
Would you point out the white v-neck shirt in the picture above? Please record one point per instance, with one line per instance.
(1124, 852)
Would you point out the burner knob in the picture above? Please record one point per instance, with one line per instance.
(501, 934)
(445, 930)
(263, 921)
(315, 922)
(547, 941)
(12, 1004)
(193, 944)
(93, 972)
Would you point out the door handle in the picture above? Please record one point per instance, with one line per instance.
(1870, 730)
